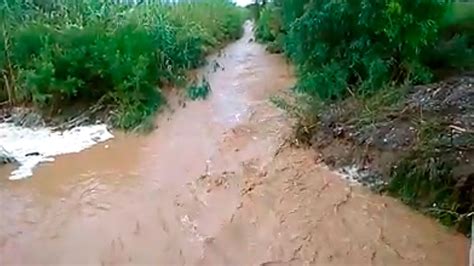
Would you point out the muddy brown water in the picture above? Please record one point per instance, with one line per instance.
(213, 185)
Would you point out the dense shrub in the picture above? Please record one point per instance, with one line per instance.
(344, 47)
(88, 51)
(268, 25)
(277, 17)
(362, 44)
(454, 48)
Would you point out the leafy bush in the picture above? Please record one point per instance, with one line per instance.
(454, 50)
(268, 24)
(91, 51)
(344, 47)
(270, 27)
(367, 42)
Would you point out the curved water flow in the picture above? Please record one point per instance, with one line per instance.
(213, 185)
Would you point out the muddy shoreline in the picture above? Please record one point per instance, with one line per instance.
(431, 124)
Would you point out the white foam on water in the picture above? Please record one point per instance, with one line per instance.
(43, 144)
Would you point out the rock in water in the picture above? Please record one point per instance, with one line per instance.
(6, 157)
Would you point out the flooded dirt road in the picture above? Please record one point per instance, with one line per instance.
(213, 185)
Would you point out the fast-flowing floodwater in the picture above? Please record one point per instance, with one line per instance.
(213, 185)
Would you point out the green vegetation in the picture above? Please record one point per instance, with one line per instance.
(54, 54)
(356, 62)
(348, 47)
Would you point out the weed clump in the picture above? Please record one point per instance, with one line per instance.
(199, 91)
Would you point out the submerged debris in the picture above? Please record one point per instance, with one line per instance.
(199, 90)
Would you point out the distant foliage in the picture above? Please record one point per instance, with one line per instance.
(361, 45)
(55, 53)
(347, 47)
(268, 25)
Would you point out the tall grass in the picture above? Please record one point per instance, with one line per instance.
(58, 53)
(342, 48)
